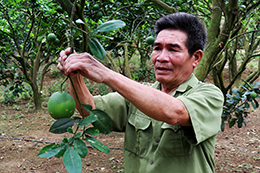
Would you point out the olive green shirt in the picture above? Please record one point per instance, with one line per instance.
(153, 146)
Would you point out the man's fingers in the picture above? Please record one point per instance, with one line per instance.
(68, 51)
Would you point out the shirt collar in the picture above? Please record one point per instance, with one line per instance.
(188, 84)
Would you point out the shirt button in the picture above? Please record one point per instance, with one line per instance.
(157, 140)
(151, 162)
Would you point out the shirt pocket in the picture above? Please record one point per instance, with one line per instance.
(138, 134)
(173, 142)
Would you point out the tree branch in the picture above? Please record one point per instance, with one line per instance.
(28, 34)
(115, 12)
(12, 30)
(168, 8)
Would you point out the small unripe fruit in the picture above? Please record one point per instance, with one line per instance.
(99, 14)
(150, 40)
(253, 94)
(51, 37)
(96, 7)
(56, 42)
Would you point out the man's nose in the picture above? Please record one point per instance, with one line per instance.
(164, 56)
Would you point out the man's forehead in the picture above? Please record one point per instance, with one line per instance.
(171, 38)
(175, 35)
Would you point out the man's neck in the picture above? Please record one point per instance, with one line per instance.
(168, 90)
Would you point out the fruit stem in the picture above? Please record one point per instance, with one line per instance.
(61, 85)
(77, 97)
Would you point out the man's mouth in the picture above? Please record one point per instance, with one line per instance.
(162, 69)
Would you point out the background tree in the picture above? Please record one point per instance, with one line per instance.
(233, 39)
(24, 47)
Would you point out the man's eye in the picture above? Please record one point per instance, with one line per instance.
(156, 48)
(172, 50)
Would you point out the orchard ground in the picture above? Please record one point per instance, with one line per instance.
(23, 133)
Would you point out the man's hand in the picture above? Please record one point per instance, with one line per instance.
(73, 62)
(63, 56)
(84, 64)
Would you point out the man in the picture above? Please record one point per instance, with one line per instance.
(170, 126)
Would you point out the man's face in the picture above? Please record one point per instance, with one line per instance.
(172, 62)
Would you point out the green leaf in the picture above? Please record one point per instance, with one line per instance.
(87, 108)
(88, 120)
(222, 126)
(253, 104)
(63, 145)
(109, 26)
(77, 119)
(245, 114)
(92, 131)
(71, 141)
(102, 36)
(61, 153)
(81, 148)
(232, 122)
(244, 87)
(96, 144)
(65, 140)
(104, 122)
(241, 109)
(235, 90)
(256, 103)
(239, 124)
(61, 125)
(229, 44)
(80, 21)
(240, 117)
(69, 130)
(240, 120)
(72, 161)
(229, 96)
(256, 84)
(78, 135)
(225, 115)
(230, 101)
(247, 105)
(96, 48)
(49, 151)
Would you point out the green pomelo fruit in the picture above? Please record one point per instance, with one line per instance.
(61, 105)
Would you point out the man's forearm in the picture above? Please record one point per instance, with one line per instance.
(152, 102)
(83, 93)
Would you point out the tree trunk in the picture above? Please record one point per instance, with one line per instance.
(36, 96)
(217, 35)
(37, 101)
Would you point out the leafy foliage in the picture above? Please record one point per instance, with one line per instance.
(238, 104)
(24, 49)
(74, 148)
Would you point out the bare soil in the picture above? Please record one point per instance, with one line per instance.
(21, 138)
(23, 133)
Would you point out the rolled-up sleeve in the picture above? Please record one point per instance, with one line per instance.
(116, 107)
(204, 105)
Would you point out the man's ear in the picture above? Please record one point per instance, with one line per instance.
(197, 57)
